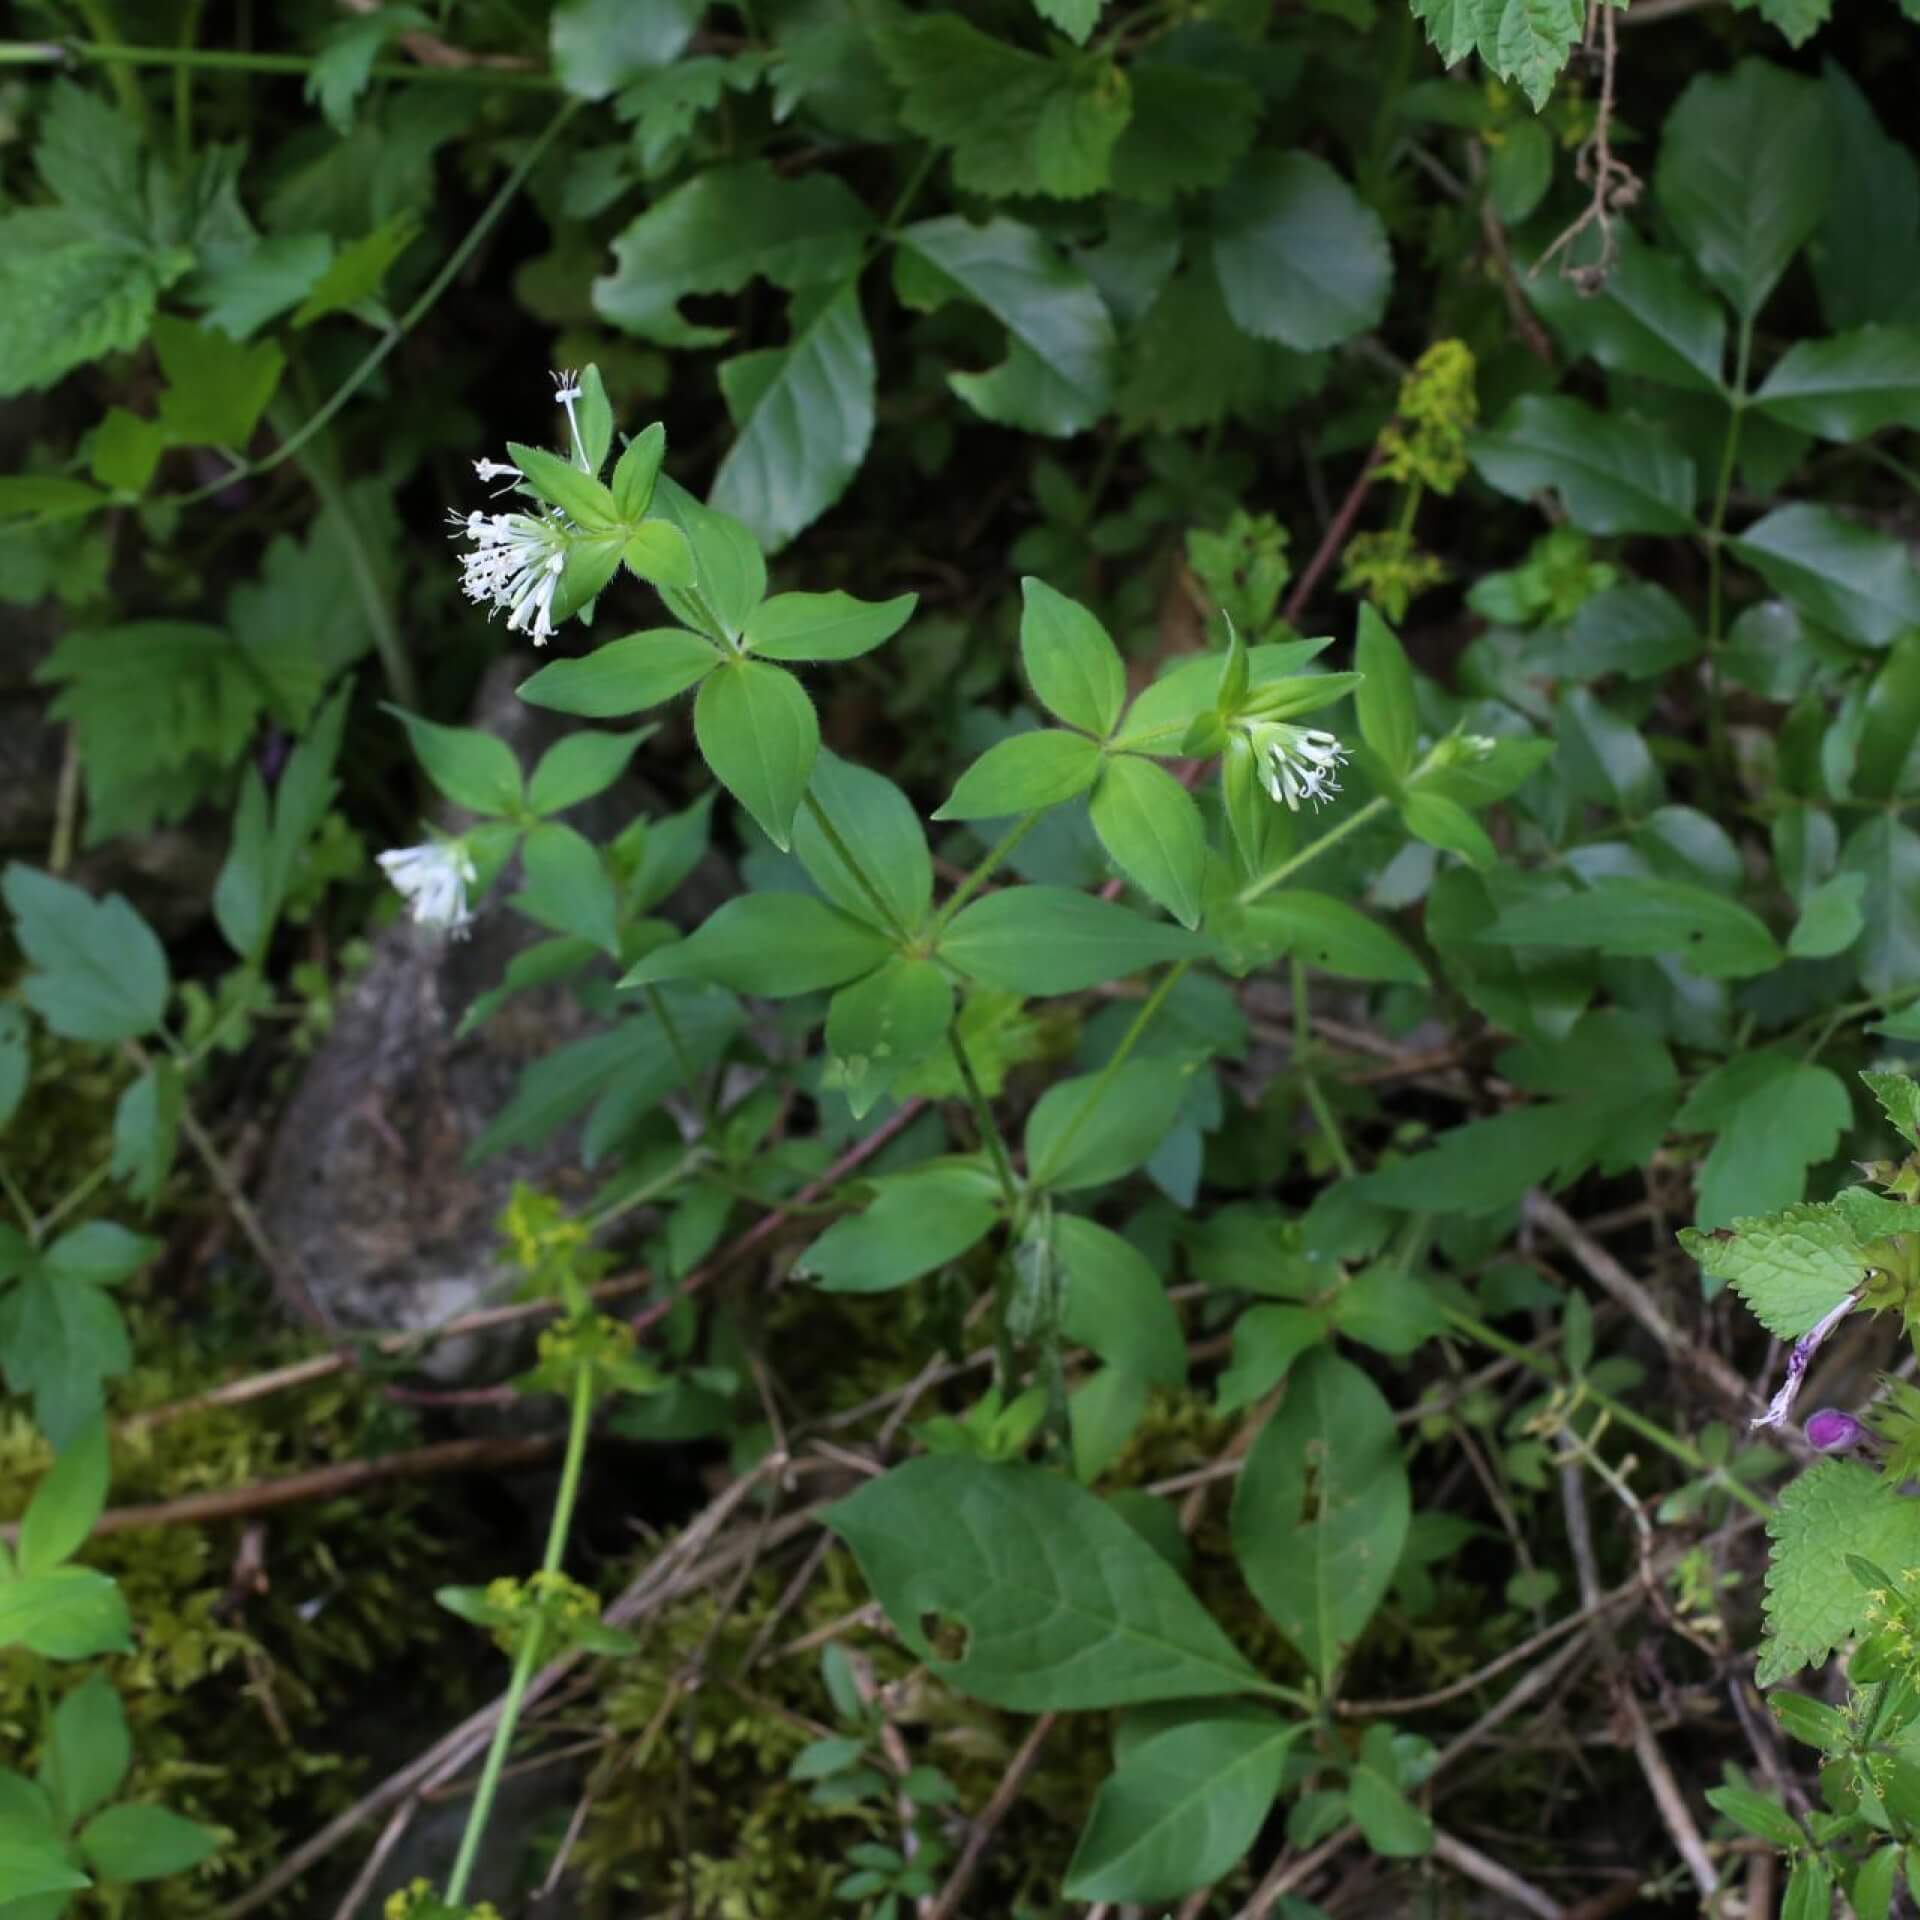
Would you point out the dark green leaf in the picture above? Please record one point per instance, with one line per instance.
(1092, 1129)
(804, 418)
(1062, 1605)
(758, 733)
(1860, 583)
(775, 944)
(625, 676)
(878, 825)
(143, 1843)
(720, 230)
(1321, 1511)
(91, 1747)
(1047, 940)
(1615, 475)
(1743, 175)
(1847, 388)
(473, 769)
(1181, 1809)
(1151, 828)
(1302, 259)
(1058, 375)
(919, 1221)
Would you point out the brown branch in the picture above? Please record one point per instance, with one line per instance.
(1615, 186)
(981, 1832)
(483, 1319)
(326, 1483)
(1625, 1291)
(1332, 540)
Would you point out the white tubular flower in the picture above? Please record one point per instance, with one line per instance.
(516, 563)
(566, 390)
(434, 879)
(1296, 763)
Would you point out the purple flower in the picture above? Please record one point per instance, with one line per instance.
(1804, 1349)
(1831, 1431)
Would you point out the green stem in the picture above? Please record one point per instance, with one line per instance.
(75, 1196)
(374, 360)
(1312, 851)
(994, 855)
(104, 51)
(1303, 1066)
(14, 1193)
(851, 861)
(1716, 546)
(644, 1195)
(1669, 1443)
(98, 14)
(373, 601)
(908, 194)
(183, 87)
(1057, 1150)
(683, 1061)
(528, 1656)
(990, 1133)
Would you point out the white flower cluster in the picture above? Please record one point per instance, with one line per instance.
(434, 878)
(515, 563)
(517, 559)
(1296, 763)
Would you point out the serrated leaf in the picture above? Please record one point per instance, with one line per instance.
(804, 414)
(359, 270)
(600, 46)
(100, 974)
(1774, 1117)
(1014, 122)
(1837, 1508)
(1899, 1098)
(1187, 129)
(1792, 1268)
(1061, 1604)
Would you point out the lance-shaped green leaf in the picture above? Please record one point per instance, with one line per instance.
(1047, 940)
(1649, 317)
(1150, 826)
(863, 814)
(804, 419)
(776, 944)
(1116, 1304)
(825, 626)
(1182, 1808)
(1058, 374)
(472, 769)
(1028, 1592)
(919, 1221)
(1023, 773)
(1614, 475)
(1321, 1511)
(758, 733)
(1713, 936)
(885, 1025)
(625, 676)
(1073, 666)
(1389, 714)
(1860, 583)
(1091, 1129)
(1743, 175)
(1849, 387)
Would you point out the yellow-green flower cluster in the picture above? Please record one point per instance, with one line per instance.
(419, 1900)
(561, 1606)
(1389, 569)
(1426, 441)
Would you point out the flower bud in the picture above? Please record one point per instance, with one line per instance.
(1831, 1431)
